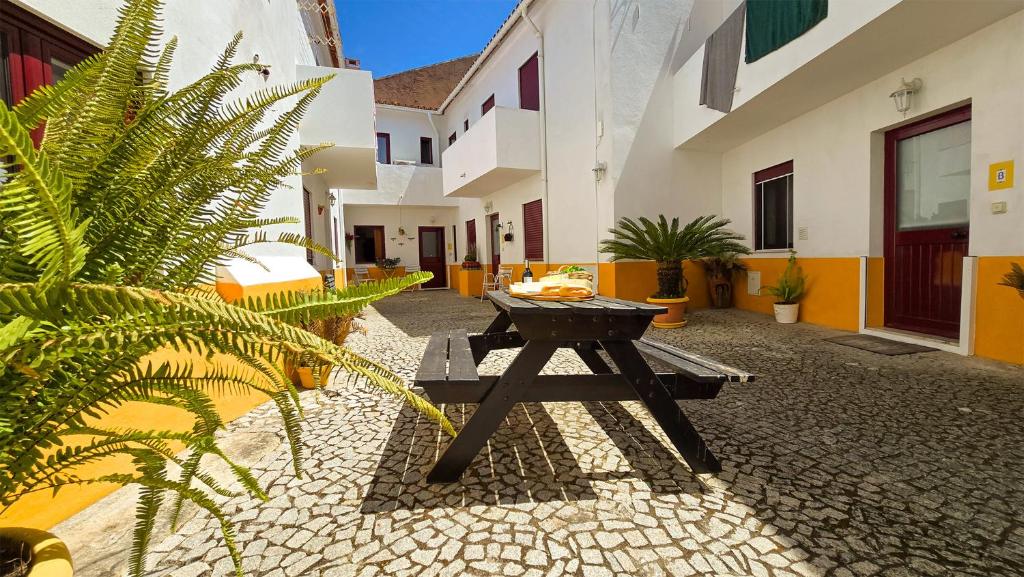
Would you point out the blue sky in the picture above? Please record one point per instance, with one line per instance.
(389, 36)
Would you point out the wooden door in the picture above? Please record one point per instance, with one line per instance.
(432, 255)
(927, 216)
(494, 239)
(529, 84)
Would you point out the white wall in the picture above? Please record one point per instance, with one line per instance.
(410, 218)
(837, 149)
(406, 127)
(405, 185)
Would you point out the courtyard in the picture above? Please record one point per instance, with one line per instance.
(836, 461)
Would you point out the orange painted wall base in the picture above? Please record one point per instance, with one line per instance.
(832, 296)
(998, 312)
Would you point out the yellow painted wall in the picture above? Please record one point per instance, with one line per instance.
(999, 312)
(232, 292)
(876, 292)
(378, 274)
(832, 296)
(637, 280)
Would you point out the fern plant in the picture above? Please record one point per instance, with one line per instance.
(1014, 278)
(107, 232)
(669, 245)
(789, 289)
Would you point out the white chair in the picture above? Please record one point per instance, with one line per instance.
(362, 274)
(501, 280)
(409, 269)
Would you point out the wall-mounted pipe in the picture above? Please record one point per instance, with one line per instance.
(543, 125)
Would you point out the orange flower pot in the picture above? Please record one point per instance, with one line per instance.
(676, 315)
(306, 376)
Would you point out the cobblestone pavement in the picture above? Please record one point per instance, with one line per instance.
(836, 462)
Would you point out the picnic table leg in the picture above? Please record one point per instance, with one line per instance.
(662, 407)
(500, 324)
(588, 354)
(496, 404)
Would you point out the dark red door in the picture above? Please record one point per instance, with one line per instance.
(927, 216)
(307, 213)
(432, 253)
(529, 84)
(494, 239)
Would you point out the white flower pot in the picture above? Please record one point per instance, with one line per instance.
(787, 314)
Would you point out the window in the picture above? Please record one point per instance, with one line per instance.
(368, 244)
(471, 235)
(487, 105)
(533, 230)
(383, 148)
(451, 139)
(465, 125)
(426, 150)
(307, 211)
(529, 84)
(773, 207)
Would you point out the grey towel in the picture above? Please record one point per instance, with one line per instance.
(721, 61)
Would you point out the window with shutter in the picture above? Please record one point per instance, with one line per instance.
(533, 230)
(426, 150)
(451, 139)
(487, 105)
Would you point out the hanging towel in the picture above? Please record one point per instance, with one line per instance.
(721, 60)
(771, 24)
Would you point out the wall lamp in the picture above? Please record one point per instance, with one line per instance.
(903, 96)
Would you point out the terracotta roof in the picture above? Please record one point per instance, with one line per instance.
(426, 87)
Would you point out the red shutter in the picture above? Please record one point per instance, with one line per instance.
(487, 105)
(471, 235)
(533, 230)
(529, 84)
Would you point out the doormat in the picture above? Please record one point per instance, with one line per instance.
(879, 345)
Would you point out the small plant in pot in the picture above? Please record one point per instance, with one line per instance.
(669, 245)
(720, 270)
(788, 291)
(389, 264)
(470, 261)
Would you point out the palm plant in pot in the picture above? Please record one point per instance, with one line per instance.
(719, 270)
(669, 246)
(788, 291)
(1015, 278)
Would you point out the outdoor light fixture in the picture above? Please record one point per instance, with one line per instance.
(265, 70)
(508, 235)
(904, 94)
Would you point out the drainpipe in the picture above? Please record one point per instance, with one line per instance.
(543, 126)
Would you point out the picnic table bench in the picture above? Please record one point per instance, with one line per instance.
(448, 372)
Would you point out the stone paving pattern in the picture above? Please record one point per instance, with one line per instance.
(837, 462)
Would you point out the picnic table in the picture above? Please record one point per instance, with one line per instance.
(448, 371)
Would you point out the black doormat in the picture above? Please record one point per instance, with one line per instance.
(879, 345)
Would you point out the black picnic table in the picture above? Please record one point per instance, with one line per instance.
(448, 371)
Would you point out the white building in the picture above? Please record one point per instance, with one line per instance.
(296, 39)
(589, 112)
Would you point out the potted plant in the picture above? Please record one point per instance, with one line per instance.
(788, 291)
(90, 291)
(470, 261)
(669, 245)
(388, 265)
(1014, 278)
(719, 270)
(349, 239)
(333, 329)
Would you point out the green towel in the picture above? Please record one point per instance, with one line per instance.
(772, 24)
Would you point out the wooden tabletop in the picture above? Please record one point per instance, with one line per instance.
(599, 305)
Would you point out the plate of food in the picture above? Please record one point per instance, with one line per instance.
(560, 286)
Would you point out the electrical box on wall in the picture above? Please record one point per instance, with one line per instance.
(754, 282)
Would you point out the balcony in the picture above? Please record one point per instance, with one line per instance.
(502, 148)
(857, 43)
(342, 115)
(405, 184)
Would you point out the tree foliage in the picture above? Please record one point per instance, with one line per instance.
(108, 231)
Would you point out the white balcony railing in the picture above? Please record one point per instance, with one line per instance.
(343, 115)
(502, 148)
(405, 184)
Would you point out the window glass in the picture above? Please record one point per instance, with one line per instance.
(426, 150)
(773, 208)
(368, 244)
(5, 79)
(383, 148)
(58, 68)
(429, 244)
(933, 178)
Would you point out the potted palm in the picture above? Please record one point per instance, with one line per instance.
(669, 245)
(470, 261)
(333, 329)
(719, 270)
(788, 291)
(1015, 278)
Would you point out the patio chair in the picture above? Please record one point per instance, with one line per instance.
(499, 281)
(362, 274)
(409, 269)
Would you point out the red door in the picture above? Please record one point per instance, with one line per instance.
(432, 255)
(494, 239)
(927, 216)
(529, 84)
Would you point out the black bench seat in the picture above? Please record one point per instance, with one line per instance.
(695, 367)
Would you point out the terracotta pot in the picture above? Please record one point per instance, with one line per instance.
(470, 265)
(306, 376)
(50, 556)
(787, 314)
(675, 317)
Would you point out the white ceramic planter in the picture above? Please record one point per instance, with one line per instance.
(787, 314)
